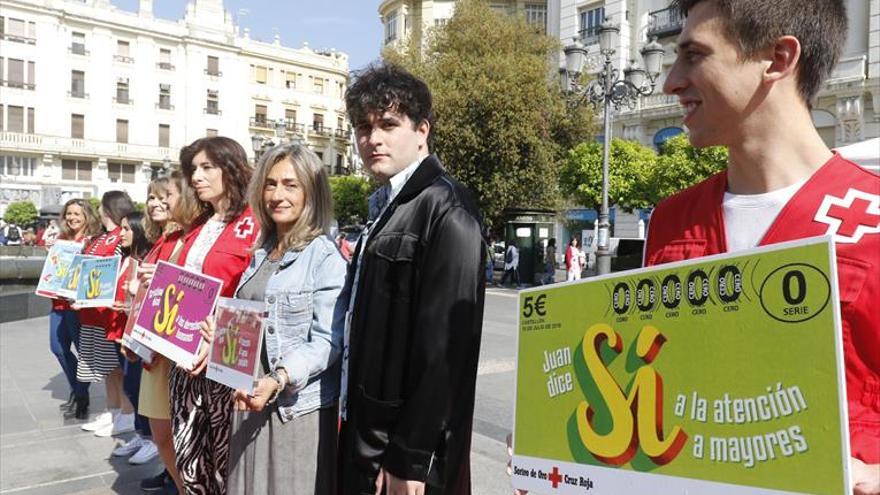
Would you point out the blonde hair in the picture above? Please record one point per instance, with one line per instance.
(318, 208)
(93, 223)
(188, 208)
(153, 230)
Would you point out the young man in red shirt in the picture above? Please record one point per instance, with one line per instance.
(746, 74)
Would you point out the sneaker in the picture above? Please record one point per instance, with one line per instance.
(123, 423)
(157, 483)
(145, 454)
(102, 420)
(129, 447)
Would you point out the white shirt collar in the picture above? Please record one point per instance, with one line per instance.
(400, 179)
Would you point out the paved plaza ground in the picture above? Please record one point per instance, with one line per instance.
(41, 453)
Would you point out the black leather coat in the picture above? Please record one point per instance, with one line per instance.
(415, 339)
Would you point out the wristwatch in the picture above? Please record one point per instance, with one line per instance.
(280, 380)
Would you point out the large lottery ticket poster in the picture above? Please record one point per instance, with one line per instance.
(97, 282)
(719, 375)
(177, 302)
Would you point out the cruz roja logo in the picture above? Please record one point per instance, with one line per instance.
(636, 418)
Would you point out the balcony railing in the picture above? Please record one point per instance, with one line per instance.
(78, 49)
(212, 111)
(665, 22)
(38, 143)
(124, 59)
(164, 106)
(18, 84)
(589, 36)
(214, 73)
(292, 126)
(20, 39)
(78, 94)
(341, 133)
(123, 100)
(261, 122)
(320, 130)
(165, 65)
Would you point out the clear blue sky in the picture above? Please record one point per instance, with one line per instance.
(351, 26)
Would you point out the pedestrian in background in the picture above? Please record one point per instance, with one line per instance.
(511, 265)
(414, 300)
(574, 260)
(550, 262)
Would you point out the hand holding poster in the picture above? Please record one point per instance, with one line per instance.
(234, 359)
(55, 267)
(177, 302)
(717, 375)
(97, 281)
(135, 304)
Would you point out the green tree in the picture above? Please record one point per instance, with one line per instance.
(95, 203)
(502, 124)
(21, 213)
(629, 165)
(680, 165)
(350, 195)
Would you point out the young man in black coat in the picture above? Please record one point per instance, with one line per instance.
(412, 306)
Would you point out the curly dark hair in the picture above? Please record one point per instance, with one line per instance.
(227, 154)
(382, 87)
(819, 25)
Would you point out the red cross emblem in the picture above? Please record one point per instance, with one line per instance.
(244, 228)
(851, 217)
(555, 477)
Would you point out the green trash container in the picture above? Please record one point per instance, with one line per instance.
(530, 229)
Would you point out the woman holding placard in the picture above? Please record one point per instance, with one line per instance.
(172, 208)
(140, 448)
(99, 353)
(220, 246)
(78, 223)
(298, 273)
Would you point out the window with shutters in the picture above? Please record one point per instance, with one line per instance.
(79, 170)
(260, 74)
(77, 126)
(213, 68)
(77, 84)
(318, 122)
(260, 114)
(164, 135)
(122, 92)
(121, 172)
(165, 97)
(30, 120)
(165, 59)
(15, 119)
(15, 73)
(211, 132)
(318, 85)
(78, 43)
(121, 131)
(213, 104)
(290, 80)
(123, 52)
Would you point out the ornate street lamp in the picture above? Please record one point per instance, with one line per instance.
(608, 90)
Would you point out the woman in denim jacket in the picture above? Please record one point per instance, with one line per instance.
(284, 436)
